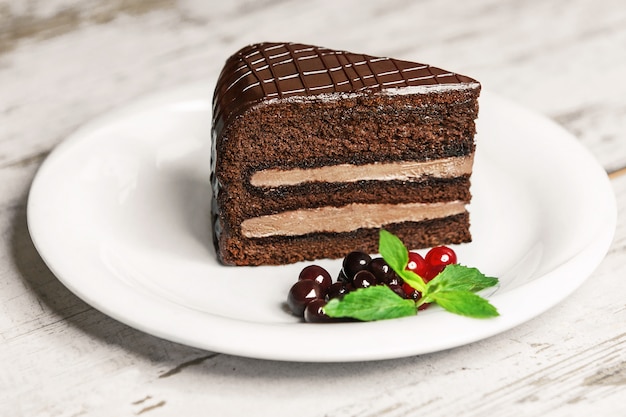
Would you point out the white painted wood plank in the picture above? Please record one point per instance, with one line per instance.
(60, 357)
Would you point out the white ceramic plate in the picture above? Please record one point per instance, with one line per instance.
(120, 214)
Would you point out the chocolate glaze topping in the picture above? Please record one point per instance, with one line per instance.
(266, 71)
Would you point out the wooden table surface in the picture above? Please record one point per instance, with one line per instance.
(65, 62)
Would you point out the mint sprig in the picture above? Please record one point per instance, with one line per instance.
(454, 289)
(462, 278)
(372, 303)
(464, 303)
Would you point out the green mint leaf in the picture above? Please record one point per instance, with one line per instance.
(461, 278)
(396, 255)
(378, 302)
(464, 303)
(412, 279)
(393, 251)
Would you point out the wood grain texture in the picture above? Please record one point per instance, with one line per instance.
(64, 62)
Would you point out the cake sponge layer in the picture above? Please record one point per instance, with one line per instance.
(286, 249)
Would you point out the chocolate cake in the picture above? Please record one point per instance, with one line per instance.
(315, 149)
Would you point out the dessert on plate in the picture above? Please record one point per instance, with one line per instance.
(315, 150)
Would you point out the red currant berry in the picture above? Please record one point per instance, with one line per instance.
(441, 255)
(409, 291)
(432, 272)
(417, 264)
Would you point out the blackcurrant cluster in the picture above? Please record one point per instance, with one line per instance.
(315, 287)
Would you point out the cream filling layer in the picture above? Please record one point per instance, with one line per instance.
(379, 171)
(345, 219)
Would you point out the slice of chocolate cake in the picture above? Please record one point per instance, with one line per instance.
(314, 150)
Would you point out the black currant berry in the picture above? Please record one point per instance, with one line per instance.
(394, 280)
(364, 279)
(342, 277)
(314, 312)
(354, 262)
(318, 274)
(302, 293)
(338, 289)
(398, 290)
(381, 270)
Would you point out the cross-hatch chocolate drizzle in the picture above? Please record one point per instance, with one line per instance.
(267, 71)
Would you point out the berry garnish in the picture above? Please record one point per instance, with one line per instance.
(337, 290)
(314, 312)
(318, 274)
(400, 283)
(342, 277)
(410, 292)
(395, 280)
(398, 290)
(301, 293)
(354, 262)
(417, 264)
(431, 272)
(364, 279)
(381, 270)
(440, 256)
